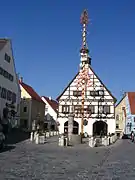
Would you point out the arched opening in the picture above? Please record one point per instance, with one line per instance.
(75, 127)
(100, 128)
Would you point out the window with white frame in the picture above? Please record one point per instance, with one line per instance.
(65, 109)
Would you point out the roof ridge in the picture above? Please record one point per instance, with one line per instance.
(30, 90)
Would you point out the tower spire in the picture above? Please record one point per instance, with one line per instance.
(85, 59)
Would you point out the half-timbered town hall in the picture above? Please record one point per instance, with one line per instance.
(87, 98)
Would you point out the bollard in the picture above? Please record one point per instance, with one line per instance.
(54, 133)
(32, 136)
(51, 133)
(47, 134)
(106, 141)
(41, 139)
(103, 141)
(61, 141)
(91, 142)
(37, 138)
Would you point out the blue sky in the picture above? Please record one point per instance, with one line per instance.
(46, 37)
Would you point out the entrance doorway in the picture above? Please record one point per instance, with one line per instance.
(100, 128)
(75, 127)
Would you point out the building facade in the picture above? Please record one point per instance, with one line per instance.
(31, 108)
(51, 113)
(9, 86)
(87, 98)
(130, 113)
(120, 116)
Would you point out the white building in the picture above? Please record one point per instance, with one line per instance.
(51, 112)
(9, 86)
(87, 98)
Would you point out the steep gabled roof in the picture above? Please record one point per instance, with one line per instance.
(3, 42)
(121, 99)
(98, 79)
(31, 92)
(131, 98)
(52, 103)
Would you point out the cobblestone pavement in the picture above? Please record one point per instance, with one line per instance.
(27, 161)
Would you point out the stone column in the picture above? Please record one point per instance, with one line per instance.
(70, 127)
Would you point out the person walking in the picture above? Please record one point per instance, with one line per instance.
(5, 122)
(132, 136)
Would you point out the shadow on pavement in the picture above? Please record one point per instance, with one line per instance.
(7, 148)
(16, 136)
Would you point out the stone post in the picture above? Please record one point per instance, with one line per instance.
(70, 127)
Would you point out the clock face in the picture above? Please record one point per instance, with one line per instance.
(101, 92)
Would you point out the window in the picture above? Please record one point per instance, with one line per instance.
(9, 95)
(97, 93)
(117, 126)
(117, 117)
(106, 109)
(77, 108)
(13, 97)
(91, 109)
(10, 77)
(1, 71)
(7, 58)
(94, 93)
(77, 93)
(101, 93)
(46, 109)
(65, 109)
(6, 74)
(25, 109)
(6, 94)
(100, 109)
(134, 119)
(3, 93)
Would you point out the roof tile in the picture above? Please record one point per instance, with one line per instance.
(131, 97)
(31, 92)
(52, 103)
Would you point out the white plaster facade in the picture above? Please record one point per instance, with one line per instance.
(109, 99)
(8, 87)
(51, 113)
(89, 128)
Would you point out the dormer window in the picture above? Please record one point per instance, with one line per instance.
(7, 58)
(77, 93)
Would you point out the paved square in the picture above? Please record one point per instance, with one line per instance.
(37, 162)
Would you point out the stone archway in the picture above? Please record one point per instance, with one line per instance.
(100, 128)
(75, 127)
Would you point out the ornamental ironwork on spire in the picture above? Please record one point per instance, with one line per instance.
(84, 22)
(85, 58)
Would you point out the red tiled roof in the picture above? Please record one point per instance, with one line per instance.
(131, 98)
(52, 103)
(31, 91)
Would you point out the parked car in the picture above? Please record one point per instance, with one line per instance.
(126, 136)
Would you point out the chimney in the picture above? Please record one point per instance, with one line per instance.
(50, 98)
